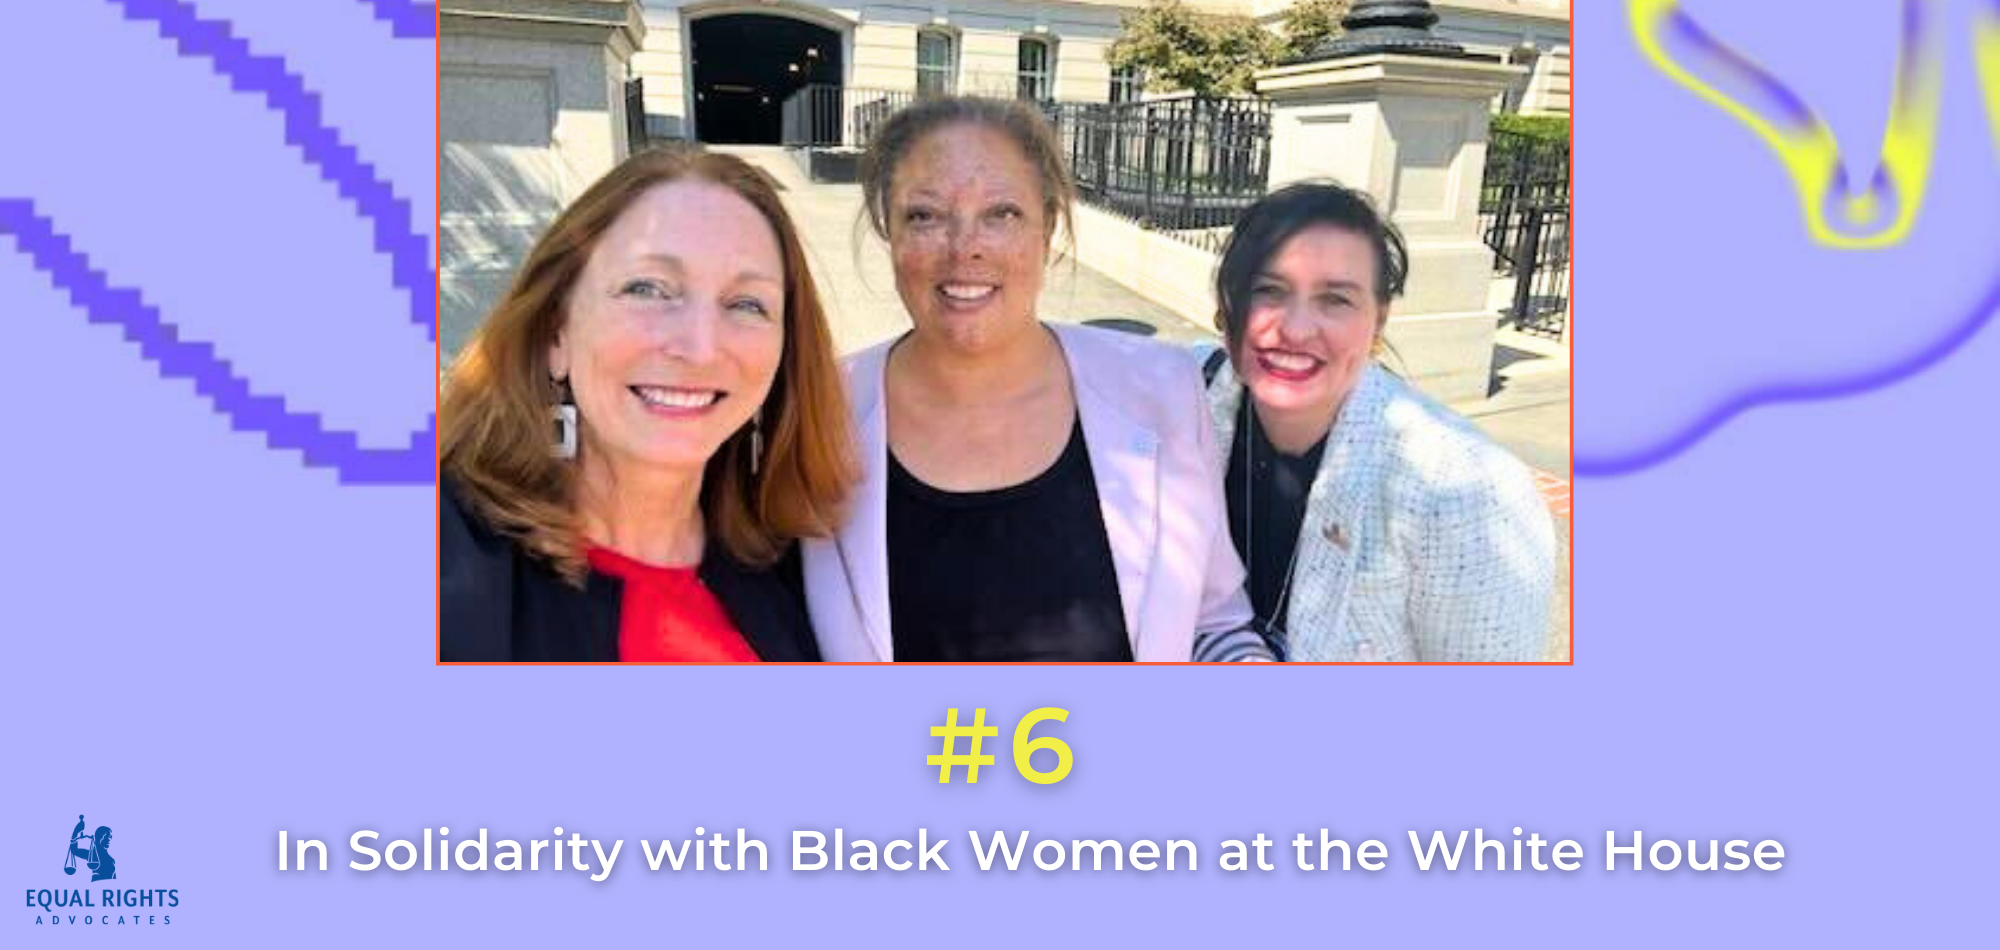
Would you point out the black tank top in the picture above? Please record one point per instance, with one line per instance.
(1022, 573)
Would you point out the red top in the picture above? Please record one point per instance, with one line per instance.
(668, 616)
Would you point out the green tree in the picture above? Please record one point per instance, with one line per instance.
(1308, 23)
(1179, 49)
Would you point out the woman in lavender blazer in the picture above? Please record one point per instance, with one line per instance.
(1030, 492)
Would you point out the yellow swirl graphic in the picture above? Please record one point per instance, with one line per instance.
(1876, 214)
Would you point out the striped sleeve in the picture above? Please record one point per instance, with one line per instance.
(1242, 645)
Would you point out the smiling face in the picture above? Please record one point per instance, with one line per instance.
(968, 236)
(1312, 320)
(672, 336)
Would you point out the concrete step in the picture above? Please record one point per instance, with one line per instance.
(774, 160)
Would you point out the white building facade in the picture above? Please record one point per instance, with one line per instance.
(720, 70)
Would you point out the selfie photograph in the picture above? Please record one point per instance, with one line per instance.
(1096, 333)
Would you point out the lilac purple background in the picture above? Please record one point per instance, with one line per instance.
(1783, 633)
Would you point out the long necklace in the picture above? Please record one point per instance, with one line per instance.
(1271, 627)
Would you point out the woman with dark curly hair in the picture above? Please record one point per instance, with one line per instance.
(1375, 523)
(1031, 491)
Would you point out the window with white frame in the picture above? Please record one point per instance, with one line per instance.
(937, 66)
(1128, 84)
(1036, 73)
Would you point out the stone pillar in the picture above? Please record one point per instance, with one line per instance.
(531, 112)
(1391, 109)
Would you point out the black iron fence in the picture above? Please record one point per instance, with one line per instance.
(1184, 166)
(635, 114)
(1187, 166)
(1524, 211)
(823, 116)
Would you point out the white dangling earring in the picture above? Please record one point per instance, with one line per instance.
(563, 413)
(756, 441)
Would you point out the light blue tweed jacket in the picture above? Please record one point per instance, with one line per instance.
(1423, 540)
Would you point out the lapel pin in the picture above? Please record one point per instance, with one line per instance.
(1334, 534)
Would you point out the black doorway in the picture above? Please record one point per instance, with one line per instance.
(744, 67)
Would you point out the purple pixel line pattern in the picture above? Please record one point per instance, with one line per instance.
(356, 180)
(409, 21)
(160, 342)
(337, 161)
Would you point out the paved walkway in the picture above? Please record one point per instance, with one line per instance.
(1528, 412)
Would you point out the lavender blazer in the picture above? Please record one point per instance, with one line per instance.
(1152, 451)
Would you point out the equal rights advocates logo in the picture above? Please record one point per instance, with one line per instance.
(107, 904)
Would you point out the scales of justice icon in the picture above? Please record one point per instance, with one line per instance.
(96, 853)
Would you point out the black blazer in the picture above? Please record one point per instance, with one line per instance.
(498, 603)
